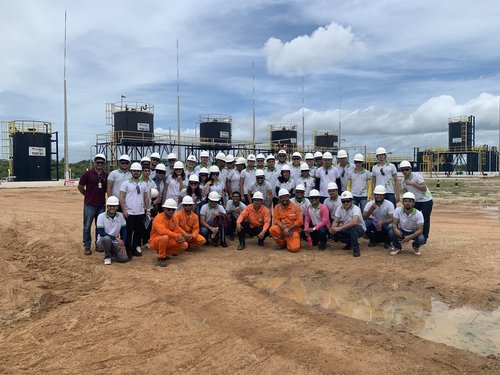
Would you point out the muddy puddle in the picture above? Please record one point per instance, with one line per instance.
(464, 327)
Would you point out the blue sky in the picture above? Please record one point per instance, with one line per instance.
(402, 67)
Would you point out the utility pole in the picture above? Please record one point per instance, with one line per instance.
(66, 153)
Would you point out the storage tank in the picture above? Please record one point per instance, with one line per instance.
(215, 131)
(133, 123)
(31, 149)
(326, 139)
(461, 133)
(283, 135)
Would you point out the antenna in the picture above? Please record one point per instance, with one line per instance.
(66, 161)
(253, 101)
(178, 109)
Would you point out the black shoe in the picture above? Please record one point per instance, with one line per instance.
(224, 244)
(87, 251)
(387, 245)
(162, 262)
(371, 244)
(136, 253)
(241, 245)
(175, 254)
(356, 253)
(347, 247)
(322, 246)
(260, 243)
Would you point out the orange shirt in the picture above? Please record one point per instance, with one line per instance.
(163, 226)
(189, 224)
(288, 216)
(256, 218)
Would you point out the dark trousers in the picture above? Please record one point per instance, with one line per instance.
(350, 236)
(396, 241)
(135, 232)
(220, 222)
(246, 230)
(377, 236)
(319, 235)
(426, 209)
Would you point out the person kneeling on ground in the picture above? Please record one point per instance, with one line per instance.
(214, 221)
(189, 223)
(317, 221)
(408, 225)
(348, 224)
(234, 207)
(167, 237)
(287, 223)
(254, 220)
(110, 224)
(378, 218)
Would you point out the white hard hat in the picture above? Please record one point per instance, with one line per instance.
(300, 187)
(359, 157)
(220, 156)
(314, 193)
(112, 201)
(204, 154)
(380, 151)
(332, 185)
(240, 160)
(282, 192)
(161, 167)
(259, 173)
(154, 193)
(304, 167)
(270, 157)
(203, 170)
(100, 156)
(260, 156)
(187, 200)
(309, 156)
(297, 154)
(251, 157)
(178, 165)
(214, 169)
(346, 195)
(229, 158)
(281, 152)
(327, 155)
(404, 164)
(286, 167)
(136, 167)
(258, 195)
(170, 203)
(379, 189)
(409, 195)
(318, 154)
(155, 155)
(213, 196)
(124, 157)
(341, 154)
(191, 158)
(194, 178)
(172, 156)
(145, 159)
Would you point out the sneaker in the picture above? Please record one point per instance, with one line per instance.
(396, 251)
(224, 244)
(416, 250)
(241, 246)
(356, 253)
(107, 261)
(87, 251)
(138, 249)
(322, 246)
(137, 252)
(260, 243)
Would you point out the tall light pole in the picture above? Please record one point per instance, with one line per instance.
(340, 118)
(66, 153)
(253, 102)
(303, 119)
(178, 109)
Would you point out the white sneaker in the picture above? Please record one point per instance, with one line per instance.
(138, 249)
(417, 251)
(396, 251)
(107, 261)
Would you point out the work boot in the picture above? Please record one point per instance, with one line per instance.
(356, 253)
(162, 262)
(241, 245)
(260, 243)
(347, 247)
(372, 243)
(87, 251)
(322, 245)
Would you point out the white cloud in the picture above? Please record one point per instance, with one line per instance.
(316, 53)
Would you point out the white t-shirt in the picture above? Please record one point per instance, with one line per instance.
(111, 225)
(333, 205)
(383, 212)
(359, 182)
(384, 175)
(230, 207)
(346, 216)
(303, 205)
(134, 196)
(408, 222)
(174, 188)
(272, 177)
(234, 179)
(288, 185)
(344, 174)
(248, 176)
(326, 176)
(210, 213)
(118, 177)
(308, 183)
(265, 188)
(420, 196)
(294, 172)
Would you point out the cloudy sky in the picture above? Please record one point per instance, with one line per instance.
(401, 67)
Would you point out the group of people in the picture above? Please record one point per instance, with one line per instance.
(176, 207)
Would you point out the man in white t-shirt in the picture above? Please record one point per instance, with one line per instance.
(386, 174)
(408, 225)
(118, 176)
(112, 233)
(214, 221)
(378, 218)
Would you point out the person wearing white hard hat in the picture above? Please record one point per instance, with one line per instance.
(254, 220)
(145, 178)
(326, 174)
(287, 223)
(378, 216)
(414, 183)
(203, 179)
(214, 221)
(215, 184)
(230, 159)
(189, 222)
(385, 173)
(317, 221)
(333, 201)
(135, 203)
(176, 181)
(112, 233)
(160, 181)
(234, 207)
(285, 181)
(272, 175)
(118, 176)
(191, 166)
(204, 155)
(155, 160)
(408, 225)
(247, 177)
(344, 168)
(305, 179)
(234, 176)
(309, 159)
(318, 160)
(300, 199)
(263, 186)
(348, 224)
(167, 237)
(260, 161)
(194, 191)
(171, 159)
(220, 161)
(360, 182)
(92, 186)
(295, 166)
(281, 160)
(145, 161)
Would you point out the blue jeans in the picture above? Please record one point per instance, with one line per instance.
(417, 242)
(110, 249)
(426, 209)
(360, 201)
(378, 236)
(90, 214)
(350, 236)
(319, 235)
